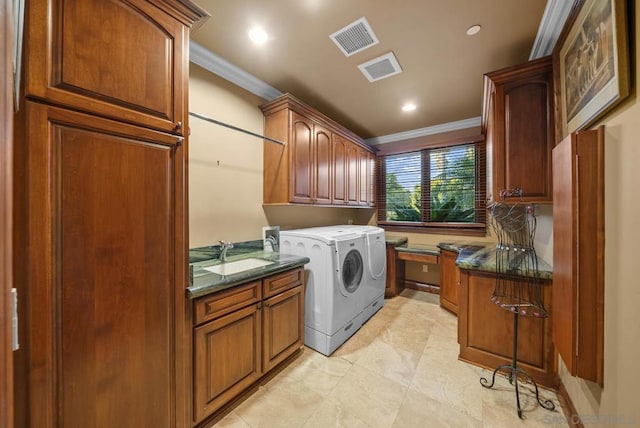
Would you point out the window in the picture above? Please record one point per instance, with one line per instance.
(442, 189)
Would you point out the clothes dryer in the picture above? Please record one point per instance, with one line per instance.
(375, 266)
(334, 287)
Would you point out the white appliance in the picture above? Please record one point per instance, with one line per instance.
(334, 293)
(376, 266)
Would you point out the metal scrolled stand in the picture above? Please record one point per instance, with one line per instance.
(517, 281)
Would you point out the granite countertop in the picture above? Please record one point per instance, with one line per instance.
(419, 249)
(481, 256)
(396, 240)
(204, 282)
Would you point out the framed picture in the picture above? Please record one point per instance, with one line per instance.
(590, 63)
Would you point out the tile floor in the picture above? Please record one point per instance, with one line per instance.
(399, 370)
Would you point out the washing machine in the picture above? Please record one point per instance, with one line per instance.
(334, 292)
(375, 266)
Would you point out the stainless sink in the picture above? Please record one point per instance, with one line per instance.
(229, 268)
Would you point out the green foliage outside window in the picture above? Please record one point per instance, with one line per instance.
(452, 188)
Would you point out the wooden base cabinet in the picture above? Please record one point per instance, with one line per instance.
(485, 331)
(395, 273)
(241, 334)
(449, 281)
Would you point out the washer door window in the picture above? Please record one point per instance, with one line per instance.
(352, 268)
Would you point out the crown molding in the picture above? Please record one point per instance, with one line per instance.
(423, 132)
(553, 19)
(217, 65)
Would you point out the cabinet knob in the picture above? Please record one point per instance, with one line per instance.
(178, 126)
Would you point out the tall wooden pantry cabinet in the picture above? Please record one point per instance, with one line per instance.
(103, 161)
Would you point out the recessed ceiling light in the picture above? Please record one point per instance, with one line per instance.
(409, 107)
(258, 35)
(474, 29)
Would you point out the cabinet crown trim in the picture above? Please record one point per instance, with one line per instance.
(288, 101)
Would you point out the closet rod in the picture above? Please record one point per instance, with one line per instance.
(235, 128)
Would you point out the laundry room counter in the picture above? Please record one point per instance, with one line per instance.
(204, 282)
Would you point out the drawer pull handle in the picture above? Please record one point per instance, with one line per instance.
(349, 326)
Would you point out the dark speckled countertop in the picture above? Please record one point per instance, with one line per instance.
(204, 282)
(480, 256)
(396, 240)
(420, 249)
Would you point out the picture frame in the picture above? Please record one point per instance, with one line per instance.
(591, 64)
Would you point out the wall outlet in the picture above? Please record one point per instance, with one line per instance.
(425, 268)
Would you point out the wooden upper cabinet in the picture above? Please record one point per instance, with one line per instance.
(519, 128)
(123, 60)
(578, 253)
(323, 165)
(363, 160)
(320, 162)
(371, 193)
(302, 159)
(311, 158)
(353, 181)
(339, 170)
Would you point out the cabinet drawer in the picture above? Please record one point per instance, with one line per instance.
(216, 305)
(278, 283)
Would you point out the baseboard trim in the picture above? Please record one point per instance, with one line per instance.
(569, 410)
(420, 286)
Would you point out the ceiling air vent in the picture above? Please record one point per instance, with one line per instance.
(381, 67)
(355, 37)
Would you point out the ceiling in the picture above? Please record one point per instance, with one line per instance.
(442, 66)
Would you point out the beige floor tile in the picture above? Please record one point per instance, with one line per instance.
(499, 404)
(232, 420)
(391, 362)
(400, 369)
(333, 414)
(419, 410)
(370, 397)
(317, 372)
(280, 405)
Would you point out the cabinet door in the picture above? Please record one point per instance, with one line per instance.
(353, 185)
(578, 253)
(449, 281)
(363, 166)
(106, 258)
(521, 130)
(485, 331)
(123, 60)
(339, 170)
(302, 159)
(323, 165)
(371, 193)
(226, 359)
(283, 326)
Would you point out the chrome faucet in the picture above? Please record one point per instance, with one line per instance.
(224, 246)
(273, 240)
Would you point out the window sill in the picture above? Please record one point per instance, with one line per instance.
(470, 229)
